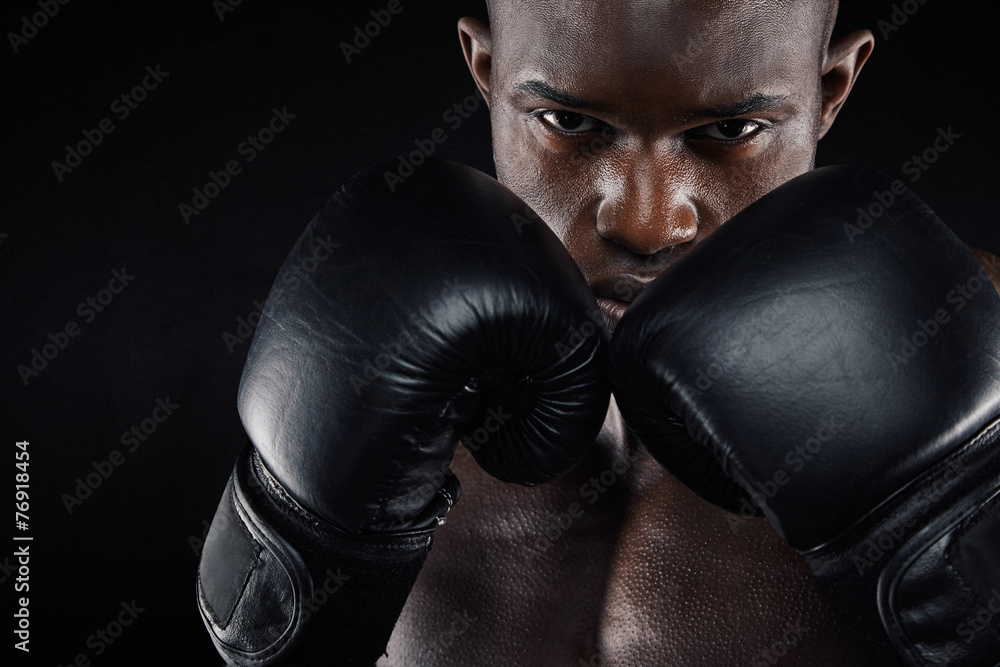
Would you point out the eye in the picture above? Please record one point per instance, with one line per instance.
(735, 129)
(569, 122)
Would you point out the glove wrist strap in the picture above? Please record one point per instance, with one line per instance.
(275, 585)
(923, 565)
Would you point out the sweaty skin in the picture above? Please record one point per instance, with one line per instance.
(634, 129)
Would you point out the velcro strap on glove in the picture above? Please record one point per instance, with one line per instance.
(926, 563)
(277, 584)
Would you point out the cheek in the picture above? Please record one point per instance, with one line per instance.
(729, 188)
(562, 195)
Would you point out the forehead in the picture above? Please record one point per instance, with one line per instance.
(641, 51)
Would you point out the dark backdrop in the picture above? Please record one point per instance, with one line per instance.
(177, 332)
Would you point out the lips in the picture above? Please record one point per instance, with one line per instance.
(621, 285)
(612, 309)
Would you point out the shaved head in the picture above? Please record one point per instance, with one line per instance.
(677, 26)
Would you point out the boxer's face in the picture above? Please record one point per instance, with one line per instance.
(635, 128)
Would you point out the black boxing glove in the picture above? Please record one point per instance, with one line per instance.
(831, 355)
(419, 314)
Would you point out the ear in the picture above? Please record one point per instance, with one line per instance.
(844, 60)
(477, 45)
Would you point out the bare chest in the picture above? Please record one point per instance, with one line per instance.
(613, 564)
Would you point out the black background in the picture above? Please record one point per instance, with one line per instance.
(136, 536)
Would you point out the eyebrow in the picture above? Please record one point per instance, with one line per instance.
(542, 89)
(751, 104)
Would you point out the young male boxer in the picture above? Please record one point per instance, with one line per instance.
(634, 130)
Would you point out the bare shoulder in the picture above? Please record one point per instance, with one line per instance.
(991, 263)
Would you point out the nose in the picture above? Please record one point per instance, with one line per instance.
(647, 208)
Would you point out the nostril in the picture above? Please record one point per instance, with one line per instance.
(645, 229)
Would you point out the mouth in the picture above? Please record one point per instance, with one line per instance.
(625, 286)
(612, 310)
